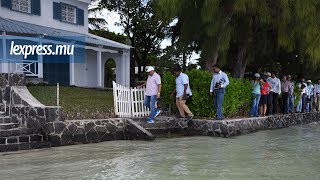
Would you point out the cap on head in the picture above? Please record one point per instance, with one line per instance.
(267, 74)
(150, 69)
(309, 81)
(257, 75)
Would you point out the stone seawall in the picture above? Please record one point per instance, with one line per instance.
(92, 131)
(226, 128)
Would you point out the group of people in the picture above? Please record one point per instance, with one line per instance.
(182, 92)
(268, 90)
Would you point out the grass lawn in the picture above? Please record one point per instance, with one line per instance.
(77, 103)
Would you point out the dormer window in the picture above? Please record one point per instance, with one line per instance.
(68, 13)
(22, 5)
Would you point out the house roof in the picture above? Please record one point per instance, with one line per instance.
(18, 27)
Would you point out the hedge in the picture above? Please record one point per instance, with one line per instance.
(236, 102)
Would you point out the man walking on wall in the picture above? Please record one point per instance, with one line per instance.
(152, 93)
(218, 86)
(183, 92)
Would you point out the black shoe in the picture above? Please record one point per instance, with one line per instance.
(189, 117)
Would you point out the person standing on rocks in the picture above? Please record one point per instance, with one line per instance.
(256, 94)
(291, 95)
(274, 94)
(218, 86)
(317, 95)
(285, 88)
(152, 93)
(310, 96)
(183, 93)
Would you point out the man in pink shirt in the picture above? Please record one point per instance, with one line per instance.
(152, 93)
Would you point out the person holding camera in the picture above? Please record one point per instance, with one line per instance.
(183, 93)
(218, 86)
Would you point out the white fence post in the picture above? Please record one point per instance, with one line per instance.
(128, 102)
(58, 94)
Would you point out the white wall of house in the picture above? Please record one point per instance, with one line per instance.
(46, 18)
(86, 73)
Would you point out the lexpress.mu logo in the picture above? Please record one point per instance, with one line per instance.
(53, 50)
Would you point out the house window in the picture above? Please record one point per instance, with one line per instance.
(68, 13)
(22, 5)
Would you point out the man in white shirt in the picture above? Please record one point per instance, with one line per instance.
(301, 107)
(182, 92)
(273, 94)
(310, 91)
(218, 86)
(152, 93)
(317, 95)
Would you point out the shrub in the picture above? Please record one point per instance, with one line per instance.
(237, 98)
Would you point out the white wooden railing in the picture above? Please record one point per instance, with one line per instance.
(28, 67)
(128, 102)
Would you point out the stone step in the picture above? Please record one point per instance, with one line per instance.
(15, 132)
(21, 139)
(5, 119)
(6, 126)
(24, 146)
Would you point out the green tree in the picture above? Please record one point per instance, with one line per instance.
(111, 35)
(141, 26)
(238, 32)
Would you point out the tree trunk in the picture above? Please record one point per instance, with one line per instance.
(211, 60)
(241, 62)
(184, 61)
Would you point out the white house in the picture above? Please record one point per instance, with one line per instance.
(35, 21)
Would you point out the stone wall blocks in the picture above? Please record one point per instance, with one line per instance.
(79, 136)
(72, 128)
(66, 137)
(92, 136)
(88, 126)
(48, 128)
(16, 99)
(34, 125)
(55, 140)
(111, 127)
(40, 111)
(59, 127)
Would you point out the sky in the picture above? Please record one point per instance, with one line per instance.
(114, 17)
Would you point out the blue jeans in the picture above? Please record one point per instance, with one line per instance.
(290, 103)
(255, 105)
(150, 102)
(301, 107)
(218, 101)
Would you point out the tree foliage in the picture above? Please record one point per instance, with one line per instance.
(240, 32)
(141, 26)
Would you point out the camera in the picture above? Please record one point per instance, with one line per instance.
(218, 84)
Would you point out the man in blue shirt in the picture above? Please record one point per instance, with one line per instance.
(218, 86)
